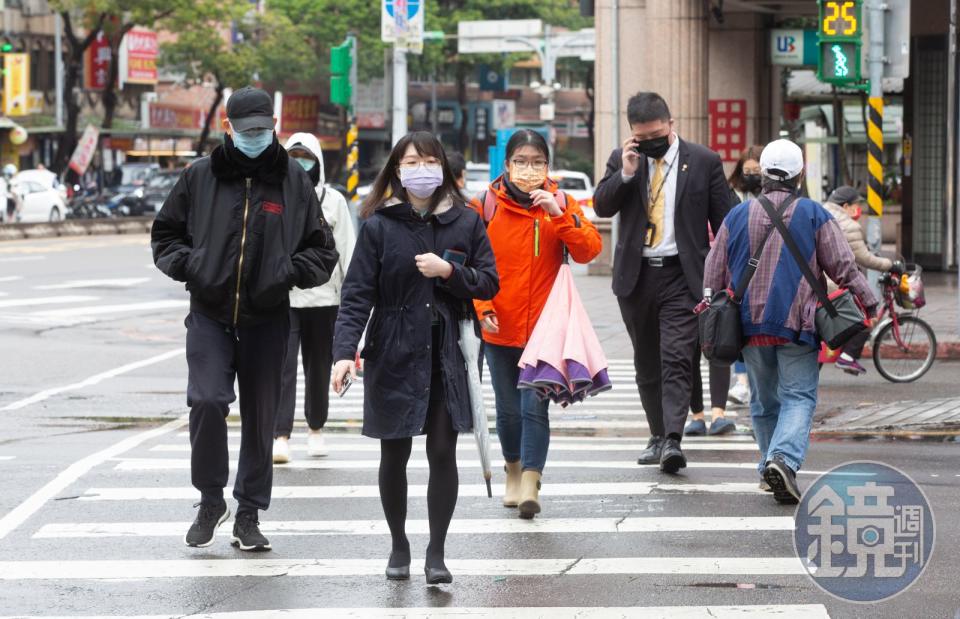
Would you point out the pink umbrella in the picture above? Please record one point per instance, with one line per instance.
(563, 360)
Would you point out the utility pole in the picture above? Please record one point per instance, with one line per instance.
(399, 114)
(875, 10)
(58, 64)
(353, 132)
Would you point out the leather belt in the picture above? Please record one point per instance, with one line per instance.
(665, 261)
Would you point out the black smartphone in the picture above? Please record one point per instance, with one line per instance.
(347, 381)
(452, 255)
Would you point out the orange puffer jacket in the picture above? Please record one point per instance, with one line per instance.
(528, 246)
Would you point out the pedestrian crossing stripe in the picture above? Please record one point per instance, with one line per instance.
(420, 490)
(350, 437)
(784, 611)
(458, 526)
(373, 446)
(341, 567)
(172, 464)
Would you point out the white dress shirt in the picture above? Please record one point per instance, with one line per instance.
(668, 242)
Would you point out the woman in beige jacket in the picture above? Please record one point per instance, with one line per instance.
(844, 205)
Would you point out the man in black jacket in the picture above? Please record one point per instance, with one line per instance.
(666, 191)
(240, 228)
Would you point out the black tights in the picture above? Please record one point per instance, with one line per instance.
(441, 490)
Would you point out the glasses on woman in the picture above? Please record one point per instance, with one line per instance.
(413, 165)
(536, 166)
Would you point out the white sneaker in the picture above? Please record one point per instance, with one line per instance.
(739, 394)
(316, 447)
(281, 450)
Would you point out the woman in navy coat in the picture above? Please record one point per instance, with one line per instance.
(421, 257)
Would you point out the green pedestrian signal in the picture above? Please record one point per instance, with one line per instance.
(341, 63)
(840, 38)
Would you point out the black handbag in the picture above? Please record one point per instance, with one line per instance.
(839, 317)
(721, 329)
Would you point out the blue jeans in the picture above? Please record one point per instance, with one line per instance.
(522, 422)
(783, 397)
(739, 367)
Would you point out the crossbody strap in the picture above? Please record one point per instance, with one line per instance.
(755, 260)
(791, 244)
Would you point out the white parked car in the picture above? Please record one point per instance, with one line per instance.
(38, 202)
(478, 178)
(45, 178)
(578, 185)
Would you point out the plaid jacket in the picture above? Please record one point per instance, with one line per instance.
(779, 302)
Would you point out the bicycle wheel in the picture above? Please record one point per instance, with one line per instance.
(907, 359)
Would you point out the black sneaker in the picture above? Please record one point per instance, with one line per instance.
(247, 535)
(783, 481)
(204, 528)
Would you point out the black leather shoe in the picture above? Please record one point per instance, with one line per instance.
(438, 575)
(651, 455)
(398, 567)
(672, 458)
(783, 481)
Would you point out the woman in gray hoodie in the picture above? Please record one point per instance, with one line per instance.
(313, 314)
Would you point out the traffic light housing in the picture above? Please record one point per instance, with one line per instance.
(341, 63)
(840, 38)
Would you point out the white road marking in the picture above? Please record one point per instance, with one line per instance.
(468, 446)
(334, 437)
(783, 611)
(422, 527)
(322, 464)
(10, 278)
(95, 283)
(93, 380)
(97, 310)
(23, 259)
(364, 492)
(47, 301)
(71, 474)
(219, 568)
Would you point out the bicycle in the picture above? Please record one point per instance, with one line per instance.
(904, 345)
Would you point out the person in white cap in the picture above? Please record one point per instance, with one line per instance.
(313, 314)
(779, 307)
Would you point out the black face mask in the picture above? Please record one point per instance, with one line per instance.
(751, 182)
(655, 148)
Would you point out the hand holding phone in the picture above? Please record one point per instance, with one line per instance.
(344, 385)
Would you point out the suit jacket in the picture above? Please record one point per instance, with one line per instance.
(702, 197)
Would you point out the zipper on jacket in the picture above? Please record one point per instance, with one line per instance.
(536, 238)
(243, 243)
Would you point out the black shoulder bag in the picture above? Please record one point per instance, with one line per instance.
(839, 317)
(721, 329)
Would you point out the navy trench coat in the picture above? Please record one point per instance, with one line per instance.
(383, 278)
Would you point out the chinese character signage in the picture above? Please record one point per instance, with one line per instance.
(16, 84)
(86, 147)
(864, 531)
(728, 127)
(96, 64)
(168, 116)
(138, 57)
(300, 113)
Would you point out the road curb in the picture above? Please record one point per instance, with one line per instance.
(89, 227)
(946, 351)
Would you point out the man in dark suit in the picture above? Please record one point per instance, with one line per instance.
(666, 191)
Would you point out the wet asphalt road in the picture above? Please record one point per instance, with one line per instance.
(75, 464)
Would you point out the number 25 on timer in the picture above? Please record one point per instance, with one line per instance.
(840, 18)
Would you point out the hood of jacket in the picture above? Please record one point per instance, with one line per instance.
(312, 144)
(395, 207)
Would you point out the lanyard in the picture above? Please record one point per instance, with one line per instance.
(666, 177)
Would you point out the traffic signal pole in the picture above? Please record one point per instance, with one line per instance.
(353, 132)
(875, 10)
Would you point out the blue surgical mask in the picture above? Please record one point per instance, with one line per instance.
(306, 163)
(252, 143)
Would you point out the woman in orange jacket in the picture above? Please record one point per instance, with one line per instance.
(529, 221)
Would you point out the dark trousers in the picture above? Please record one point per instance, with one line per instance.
(719, 385)
(311, 333)
(854, 347)
(663, 329)
(216, 355)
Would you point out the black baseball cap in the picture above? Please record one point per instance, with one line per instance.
(250, 108)
(845, 194)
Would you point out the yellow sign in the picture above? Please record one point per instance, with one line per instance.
(840, 18)
(16, 84)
